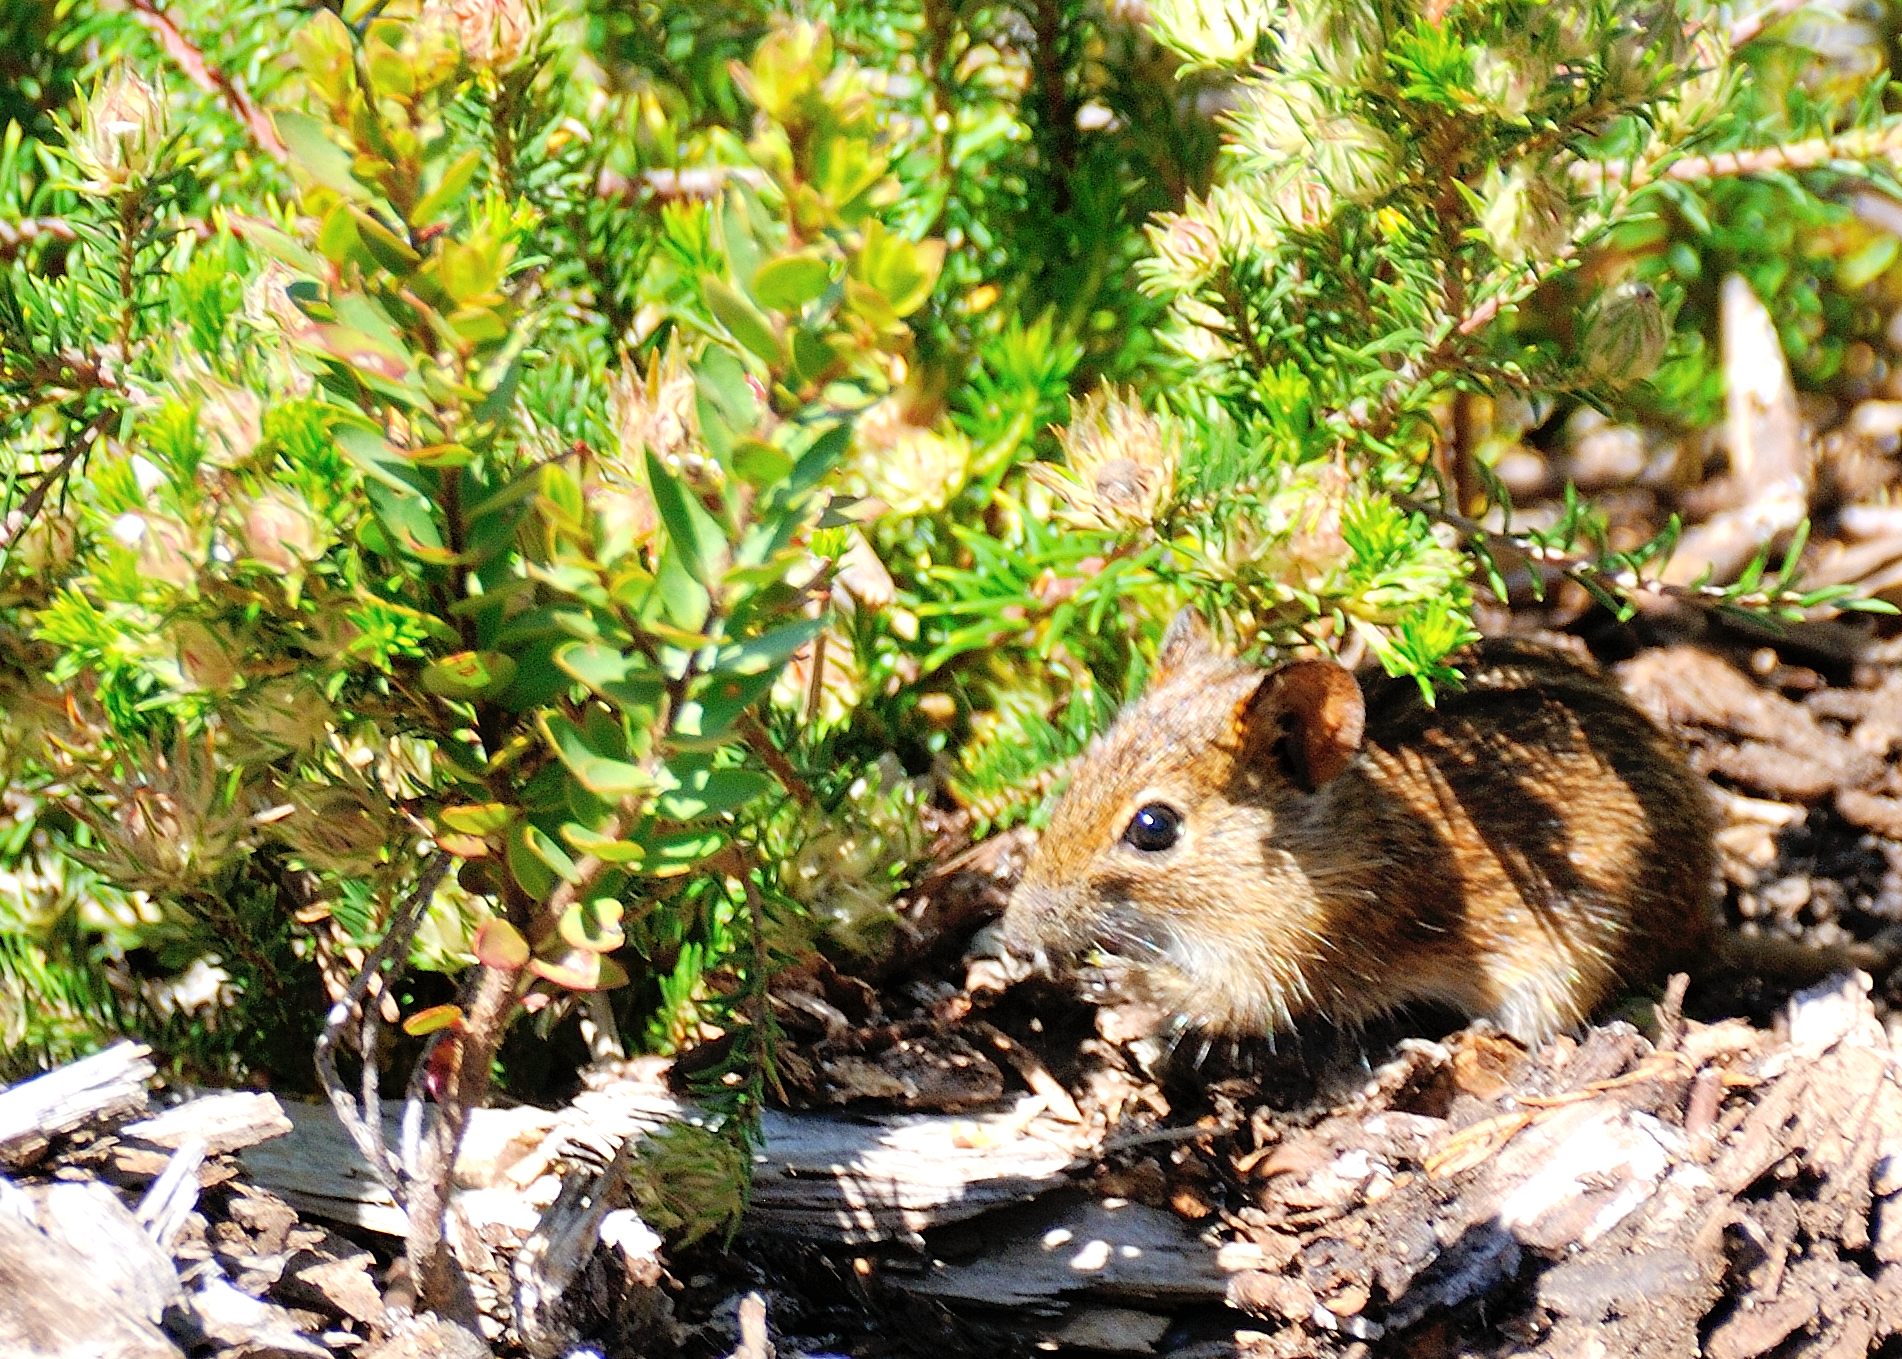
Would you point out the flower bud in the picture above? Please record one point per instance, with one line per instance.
(280, 531)
(653, 411)
(1273, 121)
(912, 468)
(1185, 251)
(494, 34)
(1122, 463)
(1286, 125)
(624, 514)
(1507, 78)
(1208, 32)
(1527, 215)
(164, 546)
(1345, 39)
(207, 657)
(1625, 332)
(269, 306)
(123, 126)
(232, 421)
(852, 859)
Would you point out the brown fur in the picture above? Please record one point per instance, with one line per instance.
(1517, 852)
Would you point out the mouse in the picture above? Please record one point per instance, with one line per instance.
(1247, 847)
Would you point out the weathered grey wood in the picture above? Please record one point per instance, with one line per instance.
(92, 1289)
(1597, 1177)
(318, 1171)
(103, 1088)
(173, 1195)
(820, 1176)
(224, 1120)
(1065, 1247)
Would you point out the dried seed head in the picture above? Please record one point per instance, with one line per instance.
(339, 828)
(1121, 463)
(166, 825)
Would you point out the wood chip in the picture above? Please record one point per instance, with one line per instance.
(224, 1121)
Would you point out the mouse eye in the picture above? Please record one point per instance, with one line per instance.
(1154, 827)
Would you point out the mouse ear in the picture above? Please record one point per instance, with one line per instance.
(1310, 716)
(1187, 639)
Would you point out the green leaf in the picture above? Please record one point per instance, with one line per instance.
(699, 791)
(674, 852)
(454, 183)
(720, 379)
(499, 944)
(603, 847)
(437, 1018)
(580, 970)
(742, 321)
(390, 250)
(711, 713)
(682, 596)
(759, 463)
(900, 272)
(791, 281)
(537, 843)
(485, 818)
(690, 529)
(373, 456)
(469, 675)
(625, 680)
(593, 926)
(312, 151)
(769, 651)
(594, 762)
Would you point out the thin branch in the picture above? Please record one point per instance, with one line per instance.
(14, 526)
(209, 78)
(364, 1124)
(1585, 570)
(1749, 26)
(760, 742)
(1854, 147)
(1236, 308)
(441, 1285)
(688, 182)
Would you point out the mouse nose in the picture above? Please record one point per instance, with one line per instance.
(1028, 915)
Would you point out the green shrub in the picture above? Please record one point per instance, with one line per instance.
(645, 453)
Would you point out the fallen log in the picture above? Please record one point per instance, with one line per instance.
(842, 1178)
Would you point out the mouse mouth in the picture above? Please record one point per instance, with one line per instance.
(1201, 982)
(1131, 957)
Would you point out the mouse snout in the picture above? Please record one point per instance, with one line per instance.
(1022, 925)
(1040, 919)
